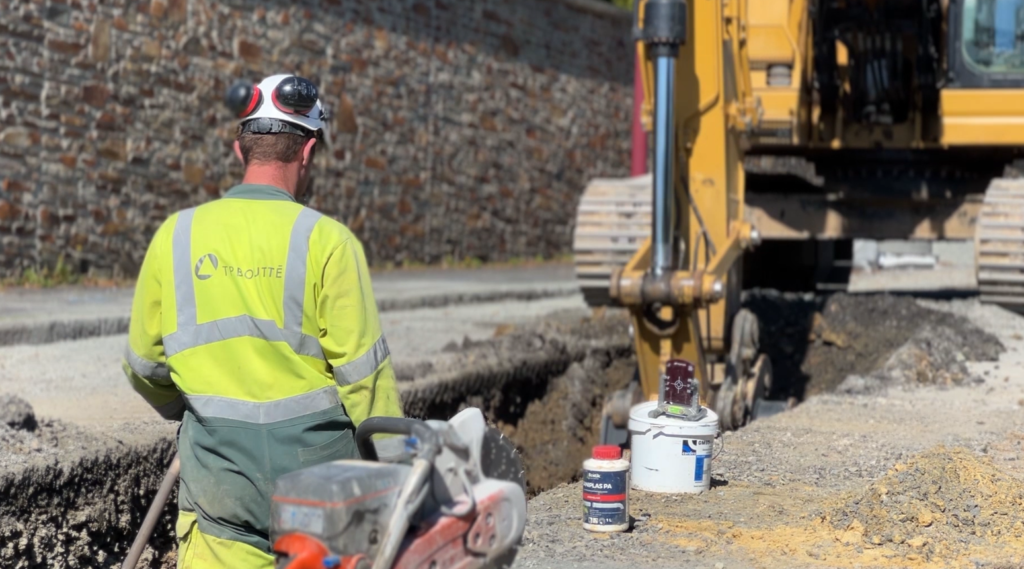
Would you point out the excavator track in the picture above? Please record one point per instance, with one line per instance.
(612, 221)
(999, 243)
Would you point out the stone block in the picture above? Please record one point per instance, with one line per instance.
(95, 94)
(19, 137)
(99, 47)
(193, 173)
(150, 48)
(8, 211)
(11, 186)
(157, 9)
(249, 51)
(113, 149)
(64, 47)
(375, 163)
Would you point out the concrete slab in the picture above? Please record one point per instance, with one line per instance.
(865, 252)
(941, 279)
(959, 253)
(70, 313)
(905, 247)
(954, 271)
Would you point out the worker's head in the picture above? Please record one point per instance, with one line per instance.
(282, 121)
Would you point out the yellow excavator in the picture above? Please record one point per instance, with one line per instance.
(799, 122)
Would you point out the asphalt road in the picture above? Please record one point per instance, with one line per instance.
(81, 380)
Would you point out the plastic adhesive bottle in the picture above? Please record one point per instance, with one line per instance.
(606, 490)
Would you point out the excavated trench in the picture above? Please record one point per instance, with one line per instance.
(543, 385)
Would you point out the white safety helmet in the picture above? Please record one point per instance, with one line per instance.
(279, 103)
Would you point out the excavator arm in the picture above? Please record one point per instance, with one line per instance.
(681, 285)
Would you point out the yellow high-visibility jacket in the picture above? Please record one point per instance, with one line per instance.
(254, 321)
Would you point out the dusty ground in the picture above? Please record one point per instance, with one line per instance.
(914, 476)
(789, 491)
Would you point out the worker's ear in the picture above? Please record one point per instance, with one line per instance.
(238, 152)
(307, 152)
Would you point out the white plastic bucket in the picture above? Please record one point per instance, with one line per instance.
(670, 455)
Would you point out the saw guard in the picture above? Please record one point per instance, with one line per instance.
(482, 540)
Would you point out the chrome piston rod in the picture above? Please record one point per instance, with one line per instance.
(663, 229)
(663, 30)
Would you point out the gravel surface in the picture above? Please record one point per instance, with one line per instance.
(782, 485)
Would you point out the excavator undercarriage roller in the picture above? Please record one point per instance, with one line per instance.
(999, 243)
(612, 221)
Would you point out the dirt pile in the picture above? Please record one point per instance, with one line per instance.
(16, 413)
(50, 438)
(864, 343)
(25, 440)
(936, 505)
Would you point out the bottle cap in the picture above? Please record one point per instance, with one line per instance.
(607, 452)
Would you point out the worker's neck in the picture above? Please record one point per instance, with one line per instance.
(283, 176)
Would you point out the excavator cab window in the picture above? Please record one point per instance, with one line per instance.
(992, 33)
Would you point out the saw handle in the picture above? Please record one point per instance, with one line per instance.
(429, 441)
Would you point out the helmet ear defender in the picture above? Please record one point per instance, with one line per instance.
(254, 102)
(295, 96)
(243, 98)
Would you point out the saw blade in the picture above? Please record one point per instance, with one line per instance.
(500, 459)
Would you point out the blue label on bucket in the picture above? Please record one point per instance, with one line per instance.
(604, 498)
(700, 450)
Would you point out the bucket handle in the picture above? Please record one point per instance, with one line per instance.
(721, 448)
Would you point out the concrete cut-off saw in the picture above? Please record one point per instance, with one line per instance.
(433, 495)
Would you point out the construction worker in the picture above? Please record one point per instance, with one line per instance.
(254, 324)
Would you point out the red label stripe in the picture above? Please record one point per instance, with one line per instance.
(604, 497)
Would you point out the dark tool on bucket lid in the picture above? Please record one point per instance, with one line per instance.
(679, 393)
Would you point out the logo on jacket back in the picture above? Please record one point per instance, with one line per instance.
(202, 264)
(208, 265)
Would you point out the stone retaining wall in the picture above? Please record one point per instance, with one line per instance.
(463, 128)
